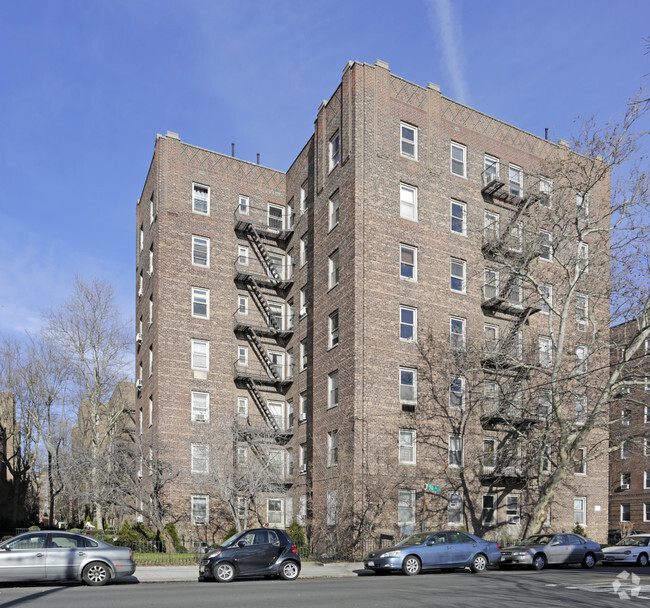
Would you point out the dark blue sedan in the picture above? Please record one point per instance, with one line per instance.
(448, 549)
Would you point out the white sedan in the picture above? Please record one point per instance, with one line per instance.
(630, 550)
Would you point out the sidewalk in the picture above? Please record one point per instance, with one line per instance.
(177, 574)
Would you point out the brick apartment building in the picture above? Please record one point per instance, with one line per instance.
(282, 319)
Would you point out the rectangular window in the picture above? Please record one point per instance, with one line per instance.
(545, 245)
(457, 393)
(408, 258)
(583, 257)
(456, 457)
(489, 510)
(546, 459)
(513, 511)
(242, 305)
(625, 512)
(626, 417)
(408, 141)
(408, 202)
(200, 355)
(303, 355)
(242, 357)
(302, 458)
(201, 199)
(200, 251)
(333, 389)
(333, 329)
(646, 511)
(545, 189)
(275, 511)
(625, 481)
(408, 323)
(200, 407)
(242, 406)
(582, 206)
(290, 466)
(490, 169)
(244, 204)
(150, 311)
(275, 217)
(457, 275)
(276, 266)
(405, 507)
(303, 302)
(582, 312)
(200, 458)
(490, 283)
(150, 271)
(457, 333)
(303, 249)
(406, 446)
(516, 180)
(646, 480)
(199, 510)
(581, 409)
(458, 159)
(408, 388)
(545, 352)
(458, 218)
(242, 456)
(626, 450)
(303, 197)
(491, 397)
(332, 508)
(582, 355)
(545, 298)
(580, 466)
(489, 454)
(302, 414)
(141, 240)
(334, 208)
(491, 227)
(515, 236)
(242, 255)
(491, 339)
(332, 448)
(276, 409)
(455, 508)
(333, 270)
(200, 303)
(335, 152)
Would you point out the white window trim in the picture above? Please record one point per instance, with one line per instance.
(544, 242)
(463, 232)
(207, 244)
(334, 269)
(415, 263)
(412, 507)
(450, 451)
(452, 379)
(333, 396)
(414, 192)
(201, 497)
(207, 355)
(244, 204)
(207, 302)
(198, 414)
(413, 435)
(334, 204)
(495, 162)
(207, 199)
(242, 406)
(195, 456)
(281, 512)
(463, 149)
(463, 334)
(414, 386)
(463, 264)
(414, 326)
(406, 125)
(333, 332)
(334, 151)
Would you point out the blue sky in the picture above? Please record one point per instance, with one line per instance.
(85, 85)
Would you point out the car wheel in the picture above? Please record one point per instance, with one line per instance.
(539, 561)
(96, 574)
(290, 571)
(411, 565)
(589, 561)
(642, 560)
(224, 572)
(479, 563)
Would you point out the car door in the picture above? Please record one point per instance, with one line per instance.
(462, 547)
(64, 556)
(256, 554)
(23, 558)
(436, 552)
(577, 548)
(558, 550)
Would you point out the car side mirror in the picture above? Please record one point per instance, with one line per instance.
(430, 543)
(241, 543)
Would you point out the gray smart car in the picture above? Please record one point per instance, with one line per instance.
(541, 549)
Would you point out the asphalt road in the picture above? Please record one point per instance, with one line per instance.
(573, 587)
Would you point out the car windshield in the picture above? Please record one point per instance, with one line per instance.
(231, 540)
(414, 539)
(537, 539)
(633, 541)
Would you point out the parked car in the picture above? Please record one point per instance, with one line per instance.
(629, 550)
(257, 552)
(541, 549)
(613, 536)
(57, 556)
(448, 549)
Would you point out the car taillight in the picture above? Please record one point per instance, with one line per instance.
(498, 546)
(293, 548)
(131, 554)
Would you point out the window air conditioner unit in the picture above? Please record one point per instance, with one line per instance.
(138, 384)
(199, 521)
(303, 417)
(303, 468)
(199, 417)
(625, 486)
(582, 326)
(138, 338)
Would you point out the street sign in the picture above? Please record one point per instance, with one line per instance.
(431, 488)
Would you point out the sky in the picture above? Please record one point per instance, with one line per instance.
(85, 86)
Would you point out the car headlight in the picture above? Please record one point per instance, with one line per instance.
(215, 554)
(520, 553)
(390, 554)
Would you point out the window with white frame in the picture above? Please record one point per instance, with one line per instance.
(199, 506)
(457, 393)
(333, 329)
(150, 311)
(405, 507)
(490, 169)
(200, 302)
(242, 406)
(515, 236)
(625, 512)
(276, 409)
(646, 411)
(150, 412)
(646, 511)
(200, 251)
(489, 510)
(303, 302)
(455, 508)
(275, 216)
(302, 402)
(303, 197)
(545, 298)
(140, 285)
(581, 409)
(408, 202)
(277, 265)
(491, 226)
(333, 276)
(407, 446)
(580, 466)
(457, 333)
(408, 387)
(201, 199)
(408, 318)
(491, 338)
(275, 511)
(242, 305)
(408, 141)
(646, 447)
(332, 508)
(582, 311)
(513, 509)
(200, 458)
(244, 205)
(545, 245)
(290, 465)
(242, 357)
(545, 351)
(332, 448)
(302, 458)
(458, 222)
(334, 149)
(582, 355)
(150, 361)
(303, 249)
(334, 209)
(457, 275)
(626, 417)
(545, 189)
(491, 397)
(625, 481)
(626, 450)
(646, 480)
(242, 508)
(242, 255)
(546, 459)
(302, 510)
(150, 271)
(516, 180)
(582, 206)
(489, 459)
(490, 283)
(408, 258)
(456, 456)
(580, 510)
(583, 257)
(333, 389)
(303, 355)
(290, 413)
(458, 159)
(200, 407)
(242, 455)
(141, 240)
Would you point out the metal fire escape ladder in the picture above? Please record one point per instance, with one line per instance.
(254, 237)
(263, 302)
(261, 352)
(261, 404)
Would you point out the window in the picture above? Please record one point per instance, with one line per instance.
(150, 271)
(332, 508)
(332, 448)
(335, 153)
(242, 255)
(405, 507)
(303, 355)
(457, 333)
(244, 204)
(200, 303)
(242, 305)
(515, 235)
(201, 199)
(303, 302)
(275, 217)
(491, 397)
(302, 458)
(334, 329)
(275, 511)
(490, 169)
(150, 412)
(200, 407)
(458, 218)
(545, 298)
(458, 159)
(625, 512)
(302, 413)
(457, 273)
(626, 450)
(200, 355)
(490, 283)
(302, 510)
(489, 454)
(516, 180)
(333, 389)
(406, 446)
(583, 257)
(457, 393)
(408, 258)
(581, 409)
(408, 389)
(513, 511)
(582, 312)
(303, 197)
(276, 409)
(646, 411)
(303, 249)
(333, 270)
(545, 352)
(290, 467)
(580, 467)
(455, 508)
(140, 286)
(646, 447)
(276, 268)
(150, 361)
(582, 206)
(491, 226)
(456, 458)
(408, 323)
(276, 316)
(408, 202)
(199, 510)
(546, 459)
(200, 458)
(242, 508)
(545, 245)
(150, 311)
(408, 141)
(491, 338)
(581, 359)
(625, 481)
(200, 251)
(489, 511)
(242, 456)
(646, 511)
(141, 240)
(334, 211)
(545, 189)
(646, 480)
(242, 406)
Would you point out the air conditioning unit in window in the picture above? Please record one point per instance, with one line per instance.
(138, 338)
(303, 468)
(625, 486)
(303, 417)
(138, 384)
(582, 326)
(199, 521)
(200, 417)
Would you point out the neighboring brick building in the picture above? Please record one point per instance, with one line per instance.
(299, 302)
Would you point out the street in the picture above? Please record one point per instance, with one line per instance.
(551, 587)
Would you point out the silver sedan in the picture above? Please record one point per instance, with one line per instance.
(57, 556)
(541, 549)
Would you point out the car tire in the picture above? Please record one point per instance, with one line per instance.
(479, 563)
(411, 565)
(539, 561)
(289, 570)
(96, 574)
(224, 572)
(589, 561)
(642, 560)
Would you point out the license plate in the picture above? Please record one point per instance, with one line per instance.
(371, 563)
